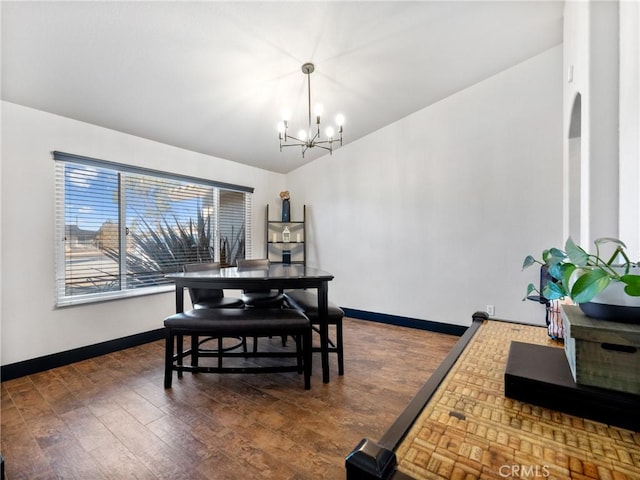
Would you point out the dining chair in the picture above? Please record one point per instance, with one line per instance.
(307, 302)
(207, 297)
(259, 298)
(212, 298)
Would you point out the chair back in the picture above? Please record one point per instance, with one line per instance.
(200, 267)
(254, 297)
(199, 295)
(253, 264)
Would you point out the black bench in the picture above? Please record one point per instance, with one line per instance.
(229, 322)
(307, 303)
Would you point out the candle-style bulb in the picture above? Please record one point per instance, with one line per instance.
(329, 131)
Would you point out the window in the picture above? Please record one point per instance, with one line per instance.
(121, 229)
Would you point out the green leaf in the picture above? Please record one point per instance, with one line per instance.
(559, 271)
(632, 284)
(589, 285)
(545, 255)
(603, 240)
(553, 291)
(567, 271)
(530, 288)
(555, 271)
(528, 261)
(556, 256)
(576, 254)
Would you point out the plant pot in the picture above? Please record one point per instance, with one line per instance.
(613, 304)
(612, 313)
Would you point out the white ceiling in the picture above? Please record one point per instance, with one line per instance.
(214, 77)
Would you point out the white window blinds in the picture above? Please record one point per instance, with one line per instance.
(121, 229)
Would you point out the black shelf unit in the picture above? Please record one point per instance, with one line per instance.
(296, 246)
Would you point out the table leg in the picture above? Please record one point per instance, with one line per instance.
(323, 314)
(169, 348)
(179, 299)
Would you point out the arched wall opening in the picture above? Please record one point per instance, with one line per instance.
(575, 171)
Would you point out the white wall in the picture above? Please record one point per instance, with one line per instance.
(31, 326)
(629, 220)
(601, 43)
(431, 217)
(603, 124)
(575, 167)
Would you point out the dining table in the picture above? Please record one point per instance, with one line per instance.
(276, 276)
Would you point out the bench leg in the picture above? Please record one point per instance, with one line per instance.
(179, 352)
(194, 350)
(299, 350)
(339, 345)
(168, 358)
(307, 350)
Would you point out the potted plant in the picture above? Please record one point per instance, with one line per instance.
(604, 289)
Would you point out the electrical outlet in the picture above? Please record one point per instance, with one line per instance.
(491, 310)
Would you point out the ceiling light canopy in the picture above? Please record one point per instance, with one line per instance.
(310, 137)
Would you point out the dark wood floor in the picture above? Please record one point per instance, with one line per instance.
(110, 417)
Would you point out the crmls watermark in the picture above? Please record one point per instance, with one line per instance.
(524, 471)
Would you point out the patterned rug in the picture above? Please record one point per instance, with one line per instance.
(469, 430)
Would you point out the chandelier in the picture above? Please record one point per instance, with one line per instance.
(310, 137)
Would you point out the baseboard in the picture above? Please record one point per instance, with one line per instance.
(405, 321)
(40, 364)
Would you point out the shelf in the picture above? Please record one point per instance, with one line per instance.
(295, 249)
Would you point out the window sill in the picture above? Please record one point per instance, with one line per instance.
(106, 297)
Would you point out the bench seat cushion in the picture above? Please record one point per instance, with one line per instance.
(238, 321)
(307, 302)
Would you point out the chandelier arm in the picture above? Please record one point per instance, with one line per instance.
(297, 139)
(325, 142)
(323, 147)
